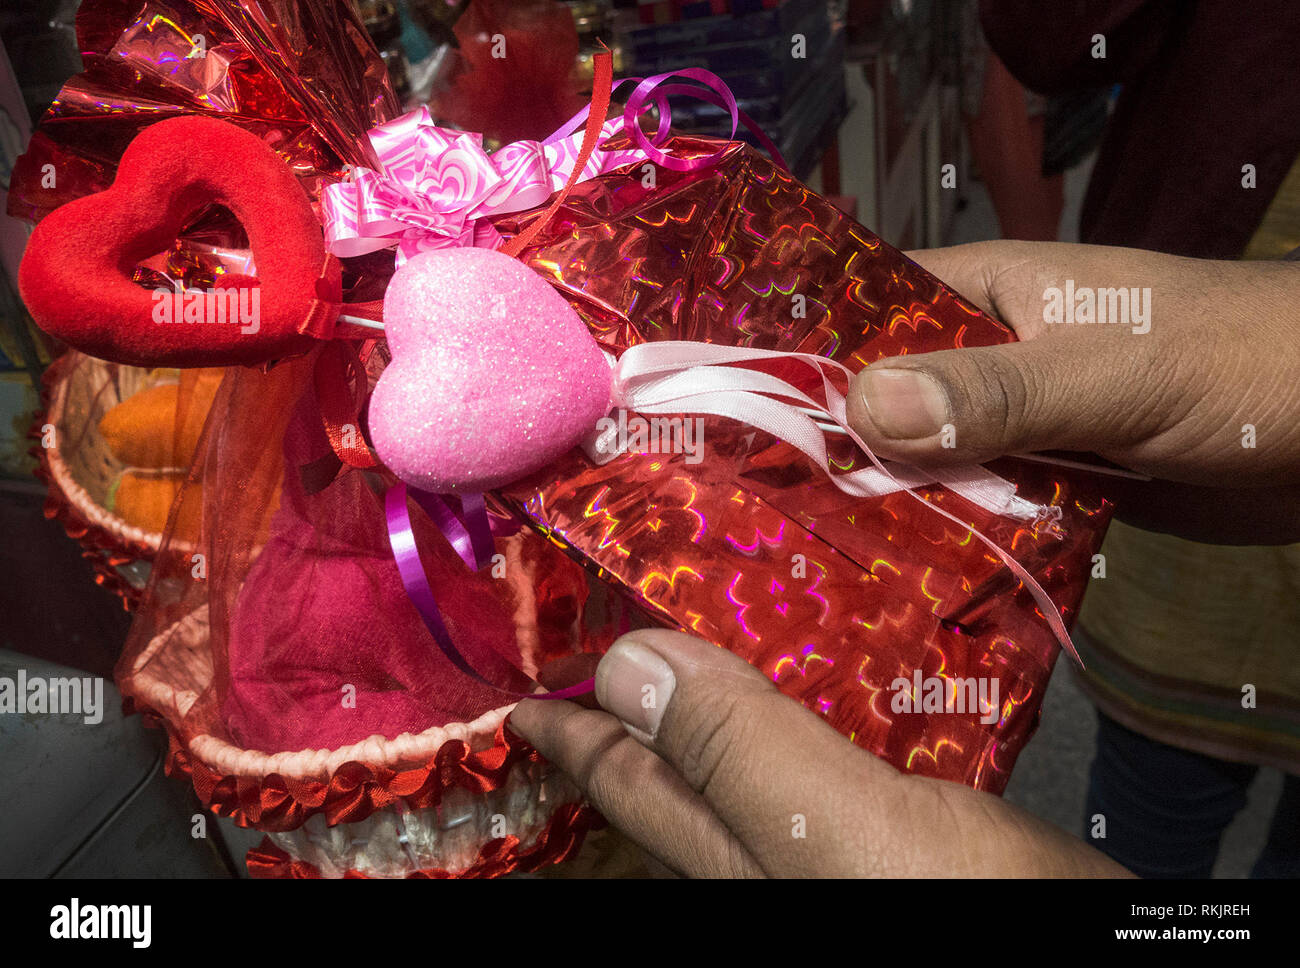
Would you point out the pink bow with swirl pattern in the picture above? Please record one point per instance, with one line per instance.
(437, 187)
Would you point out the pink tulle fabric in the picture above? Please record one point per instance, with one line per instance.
(313, 641)
(325, 648)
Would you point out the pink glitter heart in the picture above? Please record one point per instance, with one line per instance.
(493, 374)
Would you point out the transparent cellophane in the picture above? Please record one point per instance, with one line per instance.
(276, 642)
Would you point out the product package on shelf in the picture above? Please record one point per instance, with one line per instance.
(784, 62)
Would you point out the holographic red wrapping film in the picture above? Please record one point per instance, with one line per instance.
(833, 597)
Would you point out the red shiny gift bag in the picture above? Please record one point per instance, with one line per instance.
(879, 614)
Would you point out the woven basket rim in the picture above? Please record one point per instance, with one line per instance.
(404, 752)
(77, 495)
(148, 542)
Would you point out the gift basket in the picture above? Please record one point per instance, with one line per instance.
(115, 445)
(79, 468)
(493, 410)
(321, 721)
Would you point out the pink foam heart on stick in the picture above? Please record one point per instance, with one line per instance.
(493, 374)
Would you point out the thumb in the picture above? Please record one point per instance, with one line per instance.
(757, 758)
(1095, 392)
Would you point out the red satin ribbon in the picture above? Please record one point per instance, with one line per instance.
(353, 792)
(324, 311)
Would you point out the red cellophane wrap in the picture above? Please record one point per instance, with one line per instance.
(297, 683)
(301, 75)
(753, 548)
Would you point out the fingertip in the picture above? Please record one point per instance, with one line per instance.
(917, 431)
(857, 411)
(684, 652)
(901, 402)
(635, 682)
(526, 718)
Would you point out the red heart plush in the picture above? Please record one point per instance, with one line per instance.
(76, 272)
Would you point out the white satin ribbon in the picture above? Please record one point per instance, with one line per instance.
(679, 377)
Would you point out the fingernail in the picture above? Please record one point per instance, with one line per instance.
(904, 404)
(635, 684)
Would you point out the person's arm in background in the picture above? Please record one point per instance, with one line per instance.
(1048, 44)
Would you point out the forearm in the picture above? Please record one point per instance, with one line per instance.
(1049, 46)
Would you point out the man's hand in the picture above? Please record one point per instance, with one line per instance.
(1208, 395)
(713, 771)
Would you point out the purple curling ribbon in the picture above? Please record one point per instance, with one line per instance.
(472, 540)
(653, 90)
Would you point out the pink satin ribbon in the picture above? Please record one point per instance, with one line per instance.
(437, 188)
(676, 377)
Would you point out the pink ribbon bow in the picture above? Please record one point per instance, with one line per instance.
(437, 187)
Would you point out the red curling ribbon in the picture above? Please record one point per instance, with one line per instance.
(601, 89)
(339, 409)
(401, 536)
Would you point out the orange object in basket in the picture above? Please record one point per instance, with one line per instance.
(159, 427)
(145, 499)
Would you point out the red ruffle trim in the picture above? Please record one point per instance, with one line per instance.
(560, 840)
(105, 550)
(275, 803)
